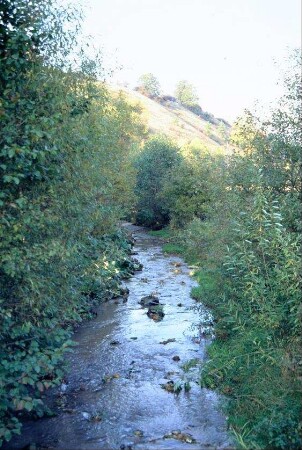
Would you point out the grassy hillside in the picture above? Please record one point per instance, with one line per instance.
(177, 122)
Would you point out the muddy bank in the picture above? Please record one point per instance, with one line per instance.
(131, 380)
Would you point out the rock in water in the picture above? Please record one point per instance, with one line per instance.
(149, 301)
(167, 341)
(156, 312)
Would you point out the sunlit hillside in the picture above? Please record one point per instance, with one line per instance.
(177, 122)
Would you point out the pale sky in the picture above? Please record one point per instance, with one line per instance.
(233, 51)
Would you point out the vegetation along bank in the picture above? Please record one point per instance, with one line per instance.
(76, 158)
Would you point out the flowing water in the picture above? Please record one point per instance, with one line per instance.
(114, 396)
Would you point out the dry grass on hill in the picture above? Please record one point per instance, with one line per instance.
(176, 121)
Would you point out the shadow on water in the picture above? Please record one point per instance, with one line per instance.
(114, 396)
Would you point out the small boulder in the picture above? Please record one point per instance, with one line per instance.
(183, 437)
(138, 433)
(167, 341)
(137, 266)
(156, 312)
(149, 301)
(124, 291)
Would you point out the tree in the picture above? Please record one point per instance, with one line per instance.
(158, 157)
(187, 188)
(149, 84)
(186, 93)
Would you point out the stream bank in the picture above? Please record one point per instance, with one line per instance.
(132, 381)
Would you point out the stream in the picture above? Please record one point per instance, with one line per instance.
(119, 390)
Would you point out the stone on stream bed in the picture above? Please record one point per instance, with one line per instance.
(130, 266)
(155, 309)
(137, 266)
(171, 386)
(168, 341)
(138, 433)
(183, 437)
(120, 291)
(144, 280)
(156, 312)
(108, 378)
(176, 264)
(149, 300)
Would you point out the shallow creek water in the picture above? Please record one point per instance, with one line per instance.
(112, 397)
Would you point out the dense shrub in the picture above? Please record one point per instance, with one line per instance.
(255, 267)
(186, 187)
(240, 216)
(153, 163)
(255, 359)
(64, 184)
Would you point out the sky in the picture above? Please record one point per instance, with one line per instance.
(232, 51)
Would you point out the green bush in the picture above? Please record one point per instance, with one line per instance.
(158, 157)
(64, 185)
(257, 306)
(238, 218)
(187, 187)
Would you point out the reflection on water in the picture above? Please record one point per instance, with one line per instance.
(112, 397)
